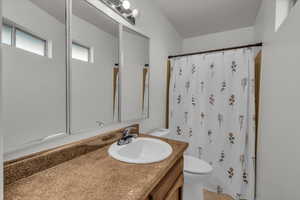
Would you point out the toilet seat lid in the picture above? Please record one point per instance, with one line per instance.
(196, 165)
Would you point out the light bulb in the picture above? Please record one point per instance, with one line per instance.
(126, 4)
(135, 12)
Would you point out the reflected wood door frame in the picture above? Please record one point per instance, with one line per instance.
(258, 60)
(167, 92)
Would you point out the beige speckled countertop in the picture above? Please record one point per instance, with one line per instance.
(94, 176)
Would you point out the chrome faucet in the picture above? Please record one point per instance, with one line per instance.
(126, 136)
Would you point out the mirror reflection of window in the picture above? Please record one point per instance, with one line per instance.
(18, 38)
(30, 43)
(80, 52)
(95, 53)
(34, 71)
(283, 9)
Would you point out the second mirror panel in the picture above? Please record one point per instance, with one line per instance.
(94, 68)
(135, 76)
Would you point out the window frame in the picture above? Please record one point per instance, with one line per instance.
(11, 34)
(45, 42)
(293, 3)
(283, 12)
(89, 49)
(16, 28)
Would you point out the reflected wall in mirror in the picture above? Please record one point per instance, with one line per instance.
(34, 70)
(135, 75)
(94, 68)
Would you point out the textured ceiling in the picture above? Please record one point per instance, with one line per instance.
(198, 17)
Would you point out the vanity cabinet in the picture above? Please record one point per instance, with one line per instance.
(170, 187)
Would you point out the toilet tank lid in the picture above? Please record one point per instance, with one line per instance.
(160, 132)
(196, 165)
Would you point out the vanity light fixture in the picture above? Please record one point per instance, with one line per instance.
(122, 7)
(126, 4)
(135, 13)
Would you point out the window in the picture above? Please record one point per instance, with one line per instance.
(293, 3)
(30, 43)
(6, 34)
(80, 52)
(283, 9)
(21, 39)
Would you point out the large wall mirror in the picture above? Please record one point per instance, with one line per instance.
(48, 93)
(135, 75)
(34, 70)
(94, 68)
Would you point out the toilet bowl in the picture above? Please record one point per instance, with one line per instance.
(196, 172)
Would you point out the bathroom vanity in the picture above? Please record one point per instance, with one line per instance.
(85, 171)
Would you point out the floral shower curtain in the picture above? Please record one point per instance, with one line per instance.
(212, 107)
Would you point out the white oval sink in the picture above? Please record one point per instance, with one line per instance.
(141, 150)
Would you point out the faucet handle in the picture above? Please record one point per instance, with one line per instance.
(127, 136)
(127, 130)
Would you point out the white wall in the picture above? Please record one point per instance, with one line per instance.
(164, 40)
(225, 39)
(278, 159)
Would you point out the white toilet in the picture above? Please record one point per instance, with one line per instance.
(196, 172)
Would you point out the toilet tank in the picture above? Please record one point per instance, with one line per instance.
(162, 132)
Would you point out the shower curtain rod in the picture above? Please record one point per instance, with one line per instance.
(216, 50)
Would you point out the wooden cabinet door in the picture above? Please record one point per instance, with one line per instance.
(176, 191)
(161, 191)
